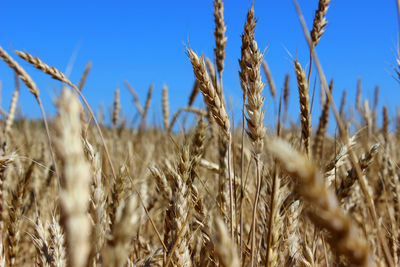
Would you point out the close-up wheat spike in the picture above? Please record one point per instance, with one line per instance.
(303, 88)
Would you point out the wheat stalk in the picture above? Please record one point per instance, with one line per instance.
(270, 80)
(75, 181)
(344, 237)
(56, 74)
(117, 108)
(305, 119)
(84, 76)
(165, 107)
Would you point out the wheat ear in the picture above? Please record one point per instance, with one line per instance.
(211, 97)
(328, 215)
(30, 84)
(344, 137)
(13, 106)
(302, 85)
(322, 126)
(270, 80)
(320, 21)
(135, 96)
(165, 107)
(247, 36)
(117, 250)
(286, 92)
(56, 74)
(146, 106)
(255, 124)
(85, 74)
(224, 246)
(219, 34)
(75, 181)
(117, 108)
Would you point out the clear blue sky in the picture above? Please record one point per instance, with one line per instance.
(143, 42)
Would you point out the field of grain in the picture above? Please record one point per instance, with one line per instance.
(76, 191)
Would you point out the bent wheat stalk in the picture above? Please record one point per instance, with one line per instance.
(58, 75)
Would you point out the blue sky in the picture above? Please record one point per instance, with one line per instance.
(144, 42)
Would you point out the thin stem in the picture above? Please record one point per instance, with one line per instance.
(271, 212)
(230, 185)
(310, 67)
(49, 139)
(241, 181)
(254, 220)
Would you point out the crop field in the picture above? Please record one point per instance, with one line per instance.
(202, 189)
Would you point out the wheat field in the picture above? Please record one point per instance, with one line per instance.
(78, 191)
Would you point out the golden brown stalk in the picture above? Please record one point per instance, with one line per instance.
(4, 163)
(84, 75)
(194, 110)
(117, 195)
(179, 213)
(98, 204)
(255, 124)
(213, 76)
(385, 124)
(197, 146)
(346, 184)
(224, 246)
(42, 247)
(56, 74)
(319, 21)
(52, 71)
(375, 108)
(344, 237)
(210, 96)
(220, 38)
(304, 105)
(291, 235)
(116, 109)
(20, 72)
(75, 180)
(255, 101)
(286, 92)
(317, 30)
(247, 36)
(193, 94)
(275, 224)
(358, 96)
(165, 107)
(342, 104)
(34, 90)
(344, 137)
(117, 250)
(146, 106)
(15, 213)
(57, 243)
(135, 97)
(13, 106)
(321, 131)
(270, 80)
